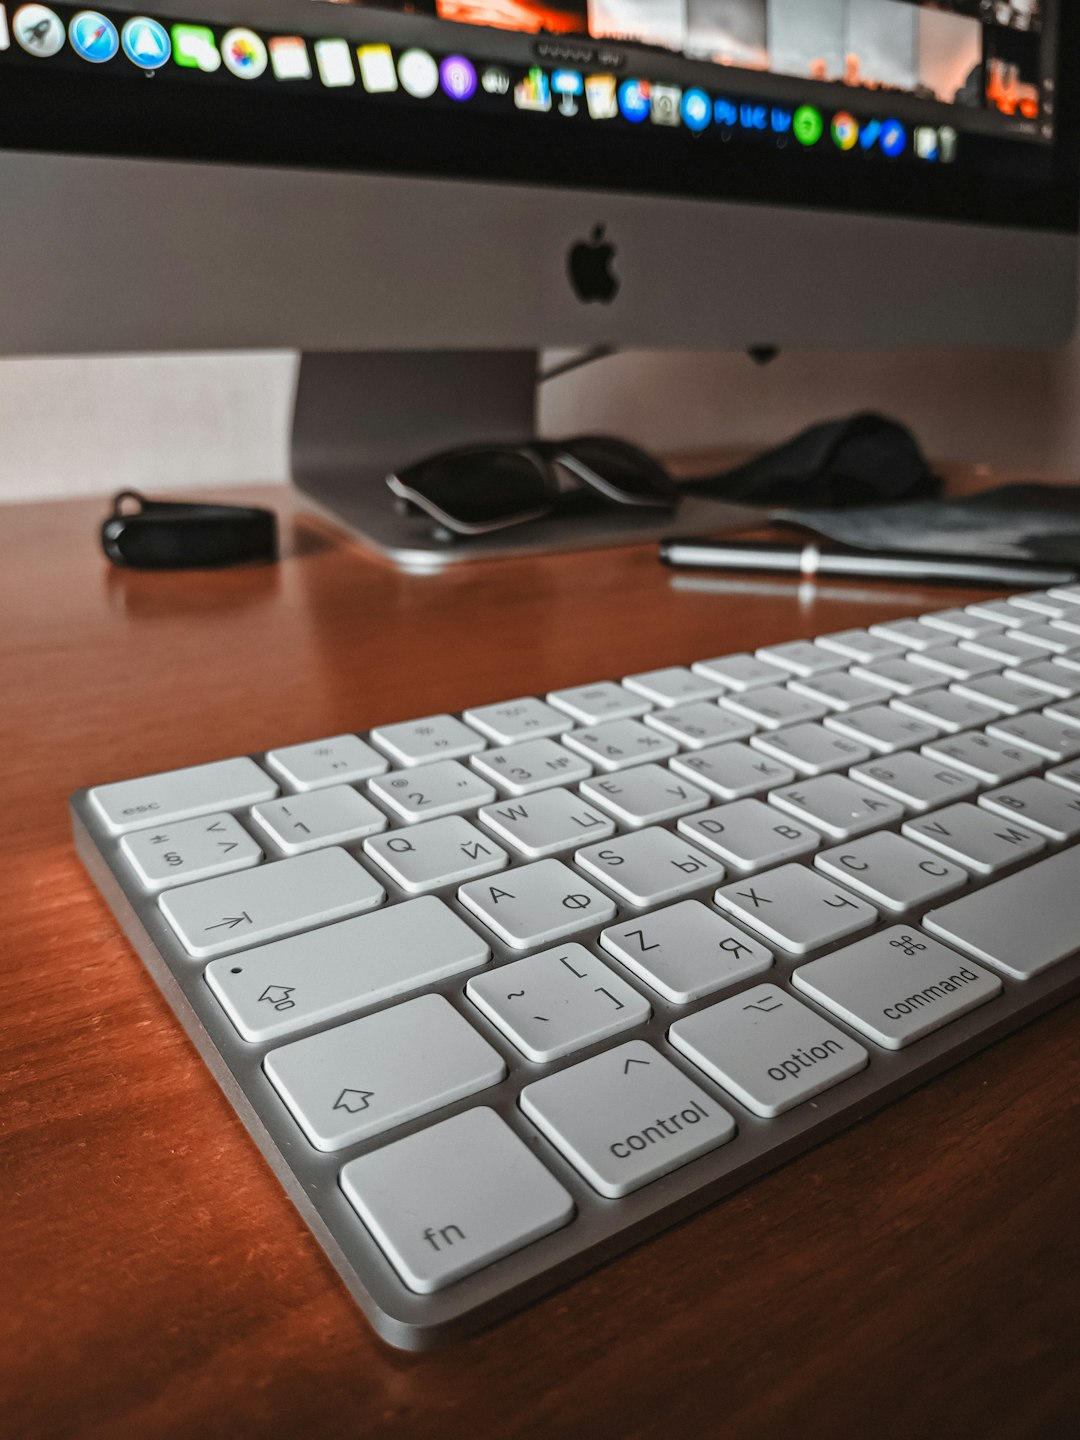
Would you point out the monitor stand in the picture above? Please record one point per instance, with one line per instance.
(359, 416)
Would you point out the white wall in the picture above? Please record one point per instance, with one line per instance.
(91, 426)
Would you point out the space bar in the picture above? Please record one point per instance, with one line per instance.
(1022, 924)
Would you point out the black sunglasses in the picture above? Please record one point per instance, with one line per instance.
(478, 489)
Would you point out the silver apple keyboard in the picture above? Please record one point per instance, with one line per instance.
(500, 994)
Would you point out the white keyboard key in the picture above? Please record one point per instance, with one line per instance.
(594, 704)
(1003, 612)
(749, 835)
(1054, 638)
(960, 624)
(801, 657)
(435, 737)
(841, 807)
(645, 795)
(1069, 593)
(767, 1049)
(620, 744)
(1010, 696)
(1021, 925)
(436, 853)
(626, 1117)
(190, 850)
(900, 677)
(772, 706)
(946, 710)
(649, 867)
(523, 719)
(437, 1220)
(1066, 711)
(989, 760)
(974, 838)
(952, 663)
(732, 772)
(547, 823)
(811, 749)
(366, 1076)
(686, 951)
(915, 780)
(427, 792)
(897, 986)
(213, 916)
(537, 904)
(340, 969)
(1066, 624)
(559, 1001)
(795, 908)
(335, 815)
(1043, 603)
(737, 673)
(911, 634)
(698, 725)
(674, 685)
(891, 872)
(338, 760)
(533, 765)
(884, 728)
(1045, 808)
(861, 645)
(1052, 739)
(1057, 680)
(181, 794)
(1007, 649)
(840, 691)
(1067, 776)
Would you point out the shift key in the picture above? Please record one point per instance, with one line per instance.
(214, 916)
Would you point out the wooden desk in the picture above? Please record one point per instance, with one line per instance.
(916, 1276)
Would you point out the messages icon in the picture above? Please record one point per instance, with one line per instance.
(195, 48)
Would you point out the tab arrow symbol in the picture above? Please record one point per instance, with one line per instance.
(353, 1100)
(230, 922)
(632, 1061)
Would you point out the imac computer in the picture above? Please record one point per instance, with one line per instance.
(420, 195)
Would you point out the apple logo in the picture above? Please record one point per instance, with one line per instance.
(589, 267)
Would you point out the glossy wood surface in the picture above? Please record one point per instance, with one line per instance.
(915, 1277)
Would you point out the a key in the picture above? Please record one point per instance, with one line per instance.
(180, 794)
(1043, 603)
(749, 835)
(649, 867)
(974, 838)
(436, 853)
(911, 634)
(1057, 680)
(769, 1050)
(1065, 711)
(368, 1075)
(620, 744)
(801, 657)
(732, 772)
(340, 969)
(1010, 696)
(190, 850)
(626, 1117)
(700, 724)
(795, 909)
(1049, 737)
(523, 719)
(916, 781)
(435, 737)
(811, 749)
(1069, 593)
(1065, 775)
(437, 1220)
(946, 710)
(840, 691)
(338, 760)
(686, 951)
(960, 624)
(1055, 638)
(537, 904)
(737, 673)
(335, 815)
(1003, 612)
(1067, 623)
(953, 663)
(595, 704)
(645, 795)
(772, 706)
(213, 916)
(841, 807)
(861, 645)
(1007, 649)
(891, 872)
(533, 765)
(1021, 925)
(883, 728)
(900, 677)
(1045, 808)
(547, 823)
(897, 986)
(672, 686)
(559, 1001)
(989, 760)
(427, 792)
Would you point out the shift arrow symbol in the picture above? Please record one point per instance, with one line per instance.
(231, 921)
(353, 1100)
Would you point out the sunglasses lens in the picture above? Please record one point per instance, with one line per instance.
(477, 489)
(628, 474)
